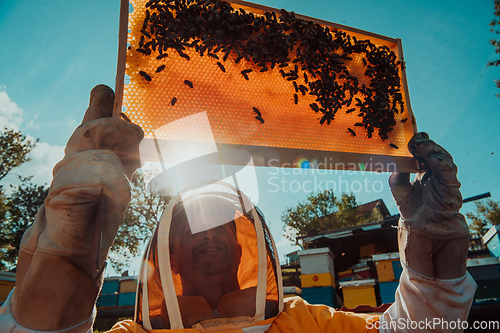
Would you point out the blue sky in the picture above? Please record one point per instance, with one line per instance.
(54, 52)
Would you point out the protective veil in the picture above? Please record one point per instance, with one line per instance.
(234, 250)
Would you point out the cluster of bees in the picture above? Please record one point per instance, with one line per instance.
(302, 51)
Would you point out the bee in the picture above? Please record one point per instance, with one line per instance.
(188, 83)
(213, 55)
(124, 117)
(173, 101)
(393, 145)
(161, 56)
(259, 118)
(221, 66)
(404, 120)
(184, 55)
(263, 69)
(144, 51)
(351, 131)
(245, 76)
(295, 86)
(257, 111)
(226, 55)
(326, 117)
(160, 68)
(314, 106)
(295, 98)
(306, 80)
(237, 60)
(145, 75)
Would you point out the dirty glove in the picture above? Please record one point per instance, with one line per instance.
(433, 235)
(63, 253)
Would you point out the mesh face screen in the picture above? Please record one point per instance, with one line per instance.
(275, 80)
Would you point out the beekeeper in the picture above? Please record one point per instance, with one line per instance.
(227, 276)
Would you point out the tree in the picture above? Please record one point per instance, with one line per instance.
(14, 150)
(141, 218)
(496, 43)
(20, 208)
(322, 212)
(484, 217)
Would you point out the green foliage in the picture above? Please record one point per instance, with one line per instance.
(14, 149)
(141, 218)
(19, 210)
(322, 212)
(494, 42)
(484, 217)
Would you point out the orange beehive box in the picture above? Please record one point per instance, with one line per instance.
(277, 84)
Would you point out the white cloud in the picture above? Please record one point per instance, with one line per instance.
(72, 123)
(31, 123)
(11, 115)
(43, 159)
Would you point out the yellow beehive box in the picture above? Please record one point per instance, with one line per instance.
(128, 285)
(361, 292)
(370, 249)
(317, 280)
(385, 266)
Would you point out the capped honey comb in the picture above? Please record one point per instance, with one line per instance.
(268, 80)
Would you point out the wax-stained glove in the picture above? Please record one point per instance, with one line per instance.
(433, 235)
(83, 210)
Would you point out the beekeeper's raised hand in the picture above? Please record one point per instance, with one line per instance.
(62, 254)
(433, 235)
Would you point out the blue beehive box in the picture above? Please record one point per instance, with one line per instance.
(110, 286)
(492, 241)
(107, 300)
(397, 268)
(320, 295)
(387, 291)
(126, 299)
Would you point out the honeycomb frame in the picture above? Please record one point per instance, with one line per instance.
(290, 132)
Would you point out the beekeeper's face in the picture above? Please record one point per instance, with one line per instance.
(212, 252)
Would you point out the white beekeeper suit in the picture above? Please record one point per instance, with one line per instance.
(226, 277)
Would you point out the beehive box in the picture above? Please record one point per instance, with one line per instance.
(388, 291)
(388, 266)
(361, 292)
(365, 270)
(486, 273)
(7, 283)
(291, 291)
(128, 284)
(317, 280)
(346, 275)
(316, 261)
(290, 89)
(320, 295)
(492, 240)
